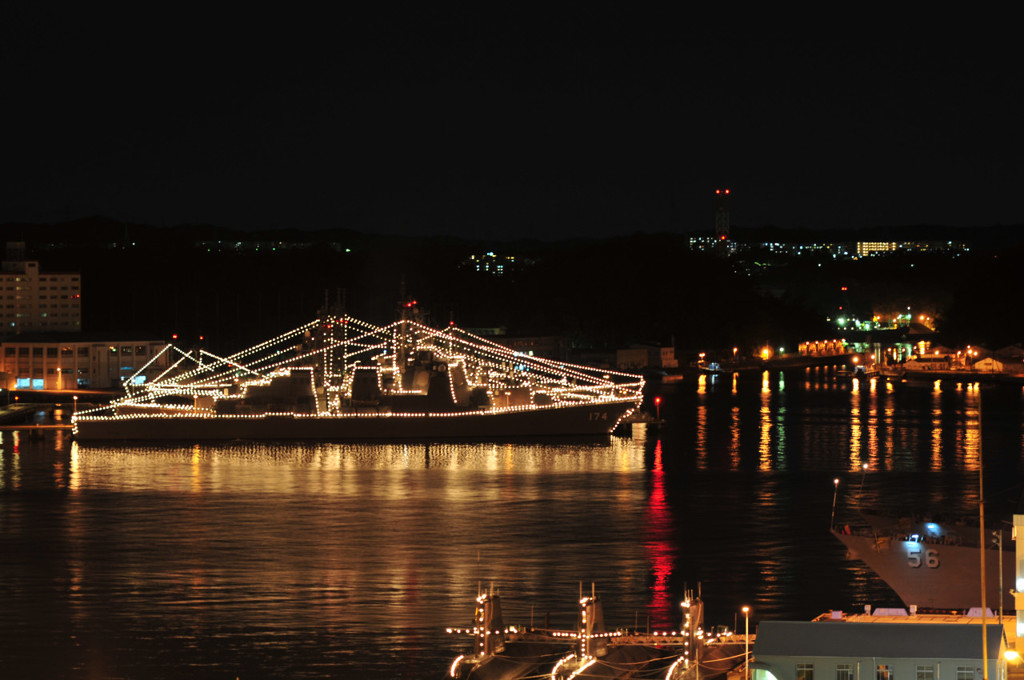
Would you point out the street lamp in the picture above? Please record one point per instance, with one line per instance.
(835, 493)
(746, 642)
(74, 409)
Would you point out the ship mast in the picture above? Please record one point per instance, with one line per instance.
(329, 369)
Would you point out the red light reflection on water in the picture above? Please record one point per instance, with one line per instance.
(659, 545)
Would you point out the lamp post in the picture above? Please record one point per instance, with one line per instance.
(74, 409)
(835, 493)
(998, 535)
(746, 642)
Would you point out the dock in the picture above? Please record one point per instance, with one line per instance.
(16, 416)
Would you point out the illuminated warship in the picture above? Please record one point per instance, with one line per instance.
(341, 378)
(933, 564)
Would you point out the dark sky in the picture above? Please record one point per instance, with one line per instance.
(508, 119)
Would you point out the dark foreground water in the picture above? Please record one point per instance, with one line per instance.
(348, 561)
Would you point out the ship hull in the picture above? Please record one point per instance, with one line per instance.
(590, 419)
(934, 575)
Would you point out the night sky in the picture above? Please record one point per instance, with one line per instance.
(507, 120)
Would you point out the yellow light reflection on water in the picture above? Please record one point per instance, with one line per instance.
(764, 447)
(73, 474)
(971, 451)
(856, 454)
(701, 430)
(734, 439)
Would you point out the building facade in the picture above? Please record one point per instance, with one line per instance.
(65, 364)
(639, 357)
(919, 647)
(33, 301)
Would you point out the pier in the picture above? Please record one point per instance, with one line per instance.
(16, 416)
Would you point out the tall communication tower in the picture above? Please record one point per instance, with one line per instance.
(721, 214)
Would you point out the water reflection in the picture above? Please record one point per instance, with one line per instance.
(887, 426)
(328, 559)
(659, 540)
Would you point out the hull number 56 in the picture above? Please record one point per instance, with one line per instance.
(930, 558)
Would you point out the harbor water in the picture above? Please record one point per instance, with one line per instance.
(268, 560)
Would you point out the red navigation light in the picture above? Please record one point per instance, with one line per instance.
(726, 192)
(174, 337)
(843, 288)
(200, 337)
(718, 191)
(657, 400)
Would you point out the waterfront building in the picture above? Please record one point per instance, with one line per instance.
(546, 346)
(646, 356)
(69, 362)
(33, 300)
(870, 647)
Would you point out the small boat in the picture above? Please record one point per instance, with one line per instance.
(339, 378)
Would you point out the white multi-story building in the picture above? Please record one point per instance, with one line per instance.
(32, 301)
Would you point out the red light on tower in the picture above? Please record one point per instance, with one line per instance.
(722, 199)
(657, 407)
